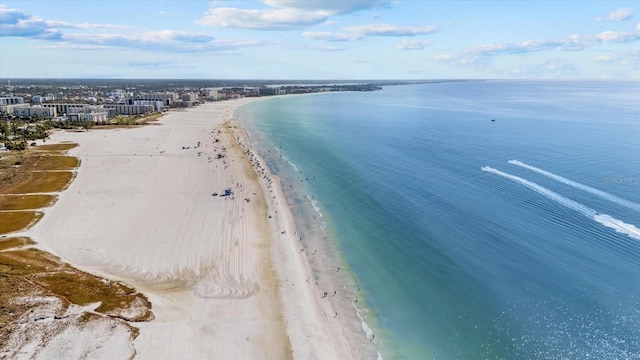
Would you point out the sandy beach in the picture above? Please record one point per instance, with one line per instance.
(224, 274)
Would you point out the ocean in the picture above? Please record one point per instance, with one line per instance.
(478, 219)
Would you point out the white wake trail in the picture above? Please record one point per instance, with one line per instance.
(618, 225)
(577, 185)
(604, 219)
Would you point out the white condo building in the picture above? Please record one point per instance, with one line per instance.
(130, 109)
(11, 100)
(36, 111)
(167, 98)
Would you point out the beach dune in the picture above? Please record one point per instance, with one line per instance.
(224, 278)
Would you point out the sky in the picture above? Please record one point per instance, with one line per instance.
(320, 39)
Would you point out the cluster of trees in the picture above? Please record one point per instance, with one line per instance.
(71, 124)
(16, 145)
(6, 129)
(128, 120)
(15, 134)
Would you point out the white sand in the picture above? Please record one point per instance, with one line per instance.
(225, 283)
(66, 333)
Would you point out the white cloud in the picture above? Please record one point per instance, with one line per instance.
(165, 40)
(413, 44)
(174, 36)
(329, 36)
(553, 69)
(606, 58)
(618, 36)
(617, 15)
(87, 26)
(157, 64)
(352, 33)
(326, 48)
(465, 60)
(66, 46)
(567, 43)
(332, 7)
(627, 57)
(632, 53)
(482, 56)
(11, 16)
(269, 19)
(389, 30)
(446, 57)
(319, 47)
(152, 40)
(16, 23)
(285, 14)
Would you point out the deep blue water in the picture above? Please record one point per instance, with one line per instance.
(460, 263)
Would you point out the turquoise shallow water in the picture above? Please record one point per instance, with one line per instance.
(455, 262)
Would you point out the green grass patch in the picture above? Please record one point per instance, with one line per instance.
(56, 162)
(11, 221)
(56, 147)
(26, 262)
(36, 182)
(35, 273)
(151, 118)
(82, 289)
(15, 242)
(26, 202)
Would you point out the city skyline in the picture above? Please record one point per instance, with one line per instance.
(312, 39)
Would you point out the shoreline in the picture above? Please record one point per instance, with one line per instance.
(335, 284)
(220, 279)
(336, 294)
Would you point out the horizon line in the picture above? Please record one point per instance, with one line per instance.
(313, 80)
